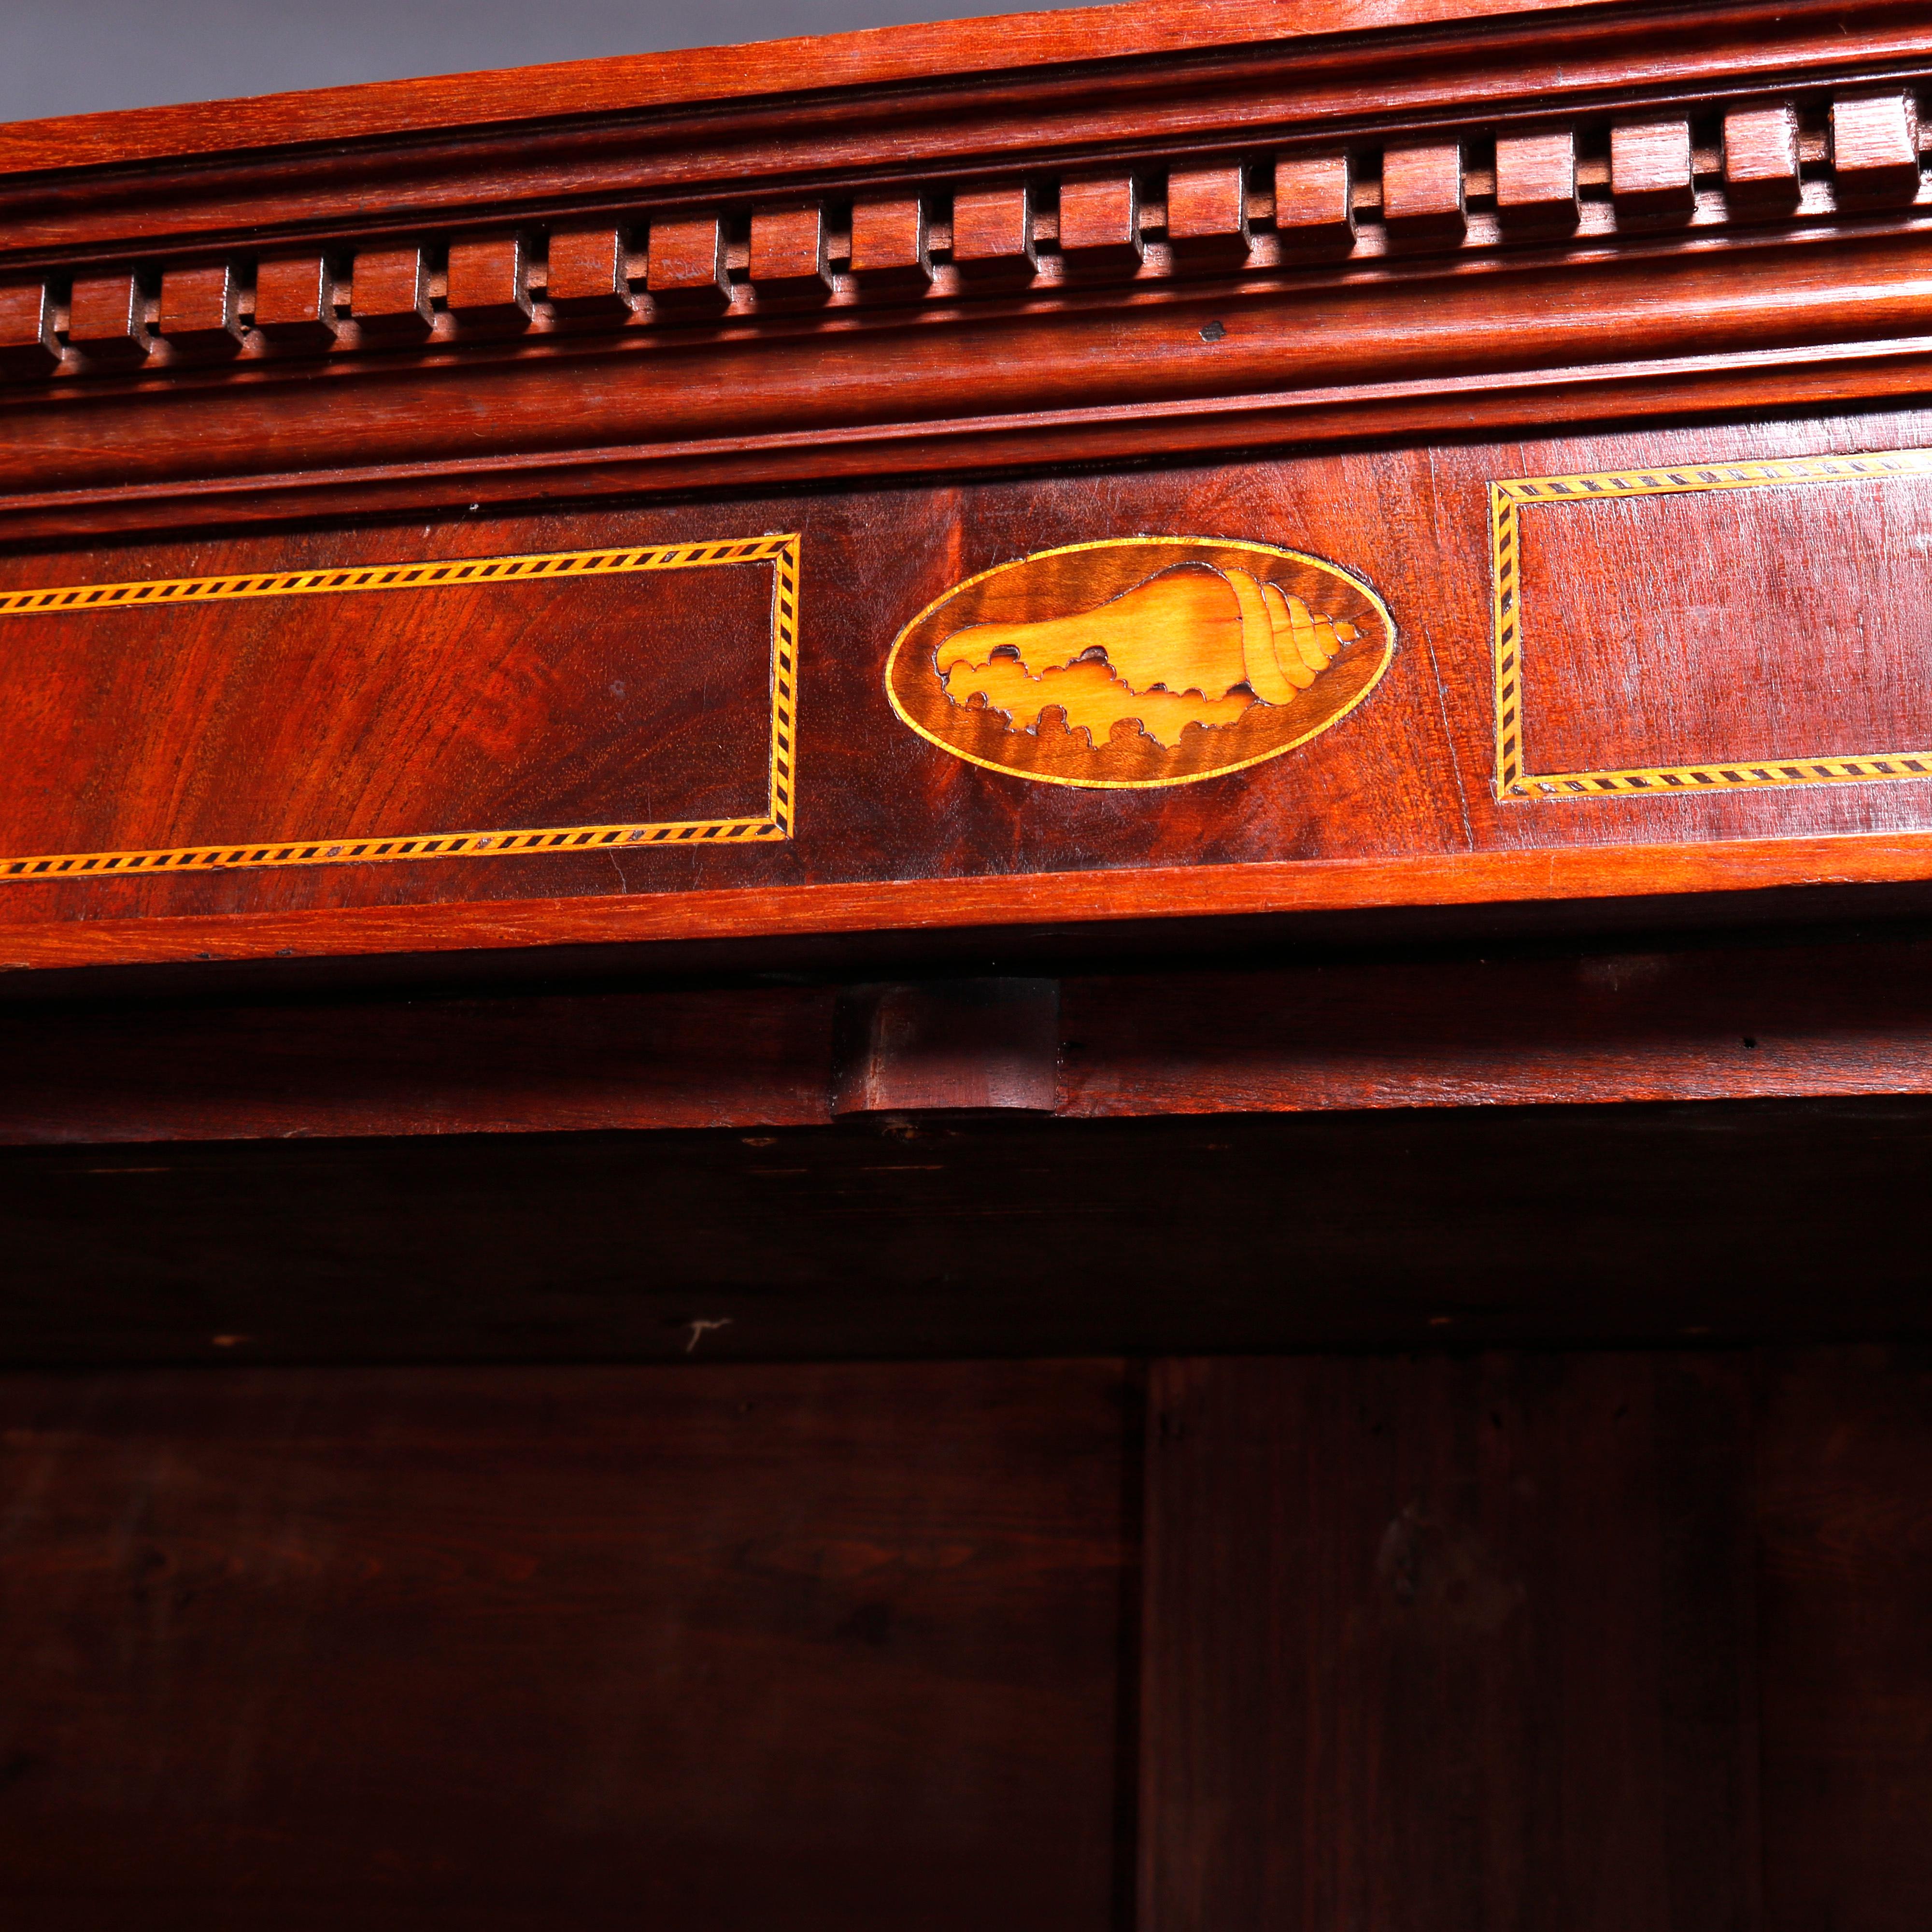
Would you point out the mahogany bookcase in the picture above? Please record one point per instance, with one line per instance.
(977, 975)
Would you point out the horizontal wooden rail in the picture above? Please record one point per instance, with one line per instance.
(1771, 1021)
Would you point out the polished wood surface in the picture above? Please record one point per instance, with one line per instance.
(976, 976)
(1463, 1641)
(1656, 626)
(589, 686)
(443, 1649)
(1613, 1640)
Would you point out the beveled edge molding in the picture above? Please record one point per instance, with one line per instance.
(162, 593)
(1530, 876)
(1514, 781)
(1838, 376)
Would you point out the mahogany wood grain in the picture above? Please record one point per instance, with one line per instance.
(1023, 112)
(1531, 883)
(1392, 806)
(889, 247)
(488, 284)
(1148, 370)
(199, 312)
(1672, 1225)
(651, 693)
(28, 346)
(1875, 145)
(1650, 167)
(687, 266)
(1271, 252)
(1423, 191)
(654, 82)
(105, 321)
(1139, 378)
(993, 235)
(294, 306)
(840, 1645)
(1207, 216)
(1314, 204)
(1100, 224)
(1846, 1565)
(389, 295)
(586, 276)
(788, 248)
(1442, 1639)
(1787, 383)
(1536, 180)
(1450, 1643)
(1761, 164)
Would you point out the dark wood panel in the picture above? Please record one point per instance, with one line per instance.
(1690, 1024)
(1442, 1644)
(835, 1646)
(1844, 1454)
(1524, 1225)
(515, 1066)
(1708, 1021)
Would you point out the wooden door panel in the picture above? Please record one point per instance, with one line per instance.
(1844, 1444)
(1447, 1644)
(607, 1647)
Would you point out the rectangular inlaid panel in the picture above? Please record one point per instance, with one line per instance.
(1711, 626)
(435, 708)
(1271, 684)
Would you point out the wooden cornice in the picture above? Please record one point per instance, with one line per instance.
(712, 76)
(1036, 110)
(197, 399)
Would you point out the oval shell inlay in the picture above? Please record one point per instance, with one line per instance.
(1139, 660)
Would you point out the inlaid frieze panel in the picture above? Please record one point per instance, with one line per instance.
(1352, 677)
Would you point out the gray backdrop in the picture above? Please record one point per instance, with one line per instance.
(77, 56)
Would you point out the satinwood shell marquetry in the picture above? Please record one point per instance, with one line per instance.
(1140, 662)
